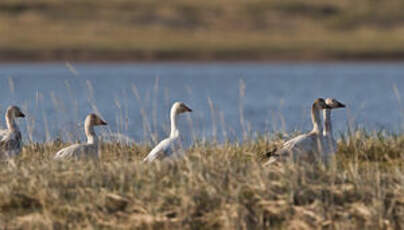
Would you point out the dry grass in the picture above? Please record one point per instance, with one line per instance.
(218, 186)
(180, 29)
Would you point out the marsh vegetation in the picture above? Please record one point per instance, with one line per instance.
(215, 186)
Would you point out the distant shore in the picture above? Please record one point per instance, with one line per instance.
(126, 30)
(84, 56)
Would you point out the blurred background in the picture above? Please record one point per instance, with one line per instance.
(245, 67)
(201, 30)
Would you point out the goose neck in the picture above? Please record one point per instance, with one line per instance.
(316, 120)
(10, 121)
(90, 133)
(173, 119)
(327, 122)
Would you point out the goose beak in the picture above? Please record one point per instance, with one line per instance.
(103, 122)
(21, 115)
(340, 105)
(187, 109)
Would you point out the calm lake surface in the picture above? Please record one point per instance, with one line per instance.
(228, 99)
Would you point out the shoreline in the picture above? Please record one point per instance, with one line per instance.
(129, 57)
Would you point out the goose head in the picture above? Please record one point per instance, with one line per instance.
(14, 112)
(334, 104)
(320, 103)
(94, 120)
(180, 107)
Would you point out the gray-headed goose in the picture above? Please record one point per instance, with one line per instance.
(10, 138)
(89, 149)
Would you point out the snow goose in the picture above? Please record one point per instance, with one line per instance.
(330, 145)
(10, 138)
(169, 147)
(89, 149)
(304, 145)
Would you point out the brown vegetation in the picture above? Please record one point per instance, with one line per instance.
(218, 186)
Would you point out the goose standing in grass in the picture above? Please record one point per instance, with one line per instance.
(10, 138)
(168, 147)
(89, 149)
(330, 145)
(304, 145)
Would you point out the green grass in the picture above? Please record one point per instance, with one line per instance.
(200, 30)
(217, 186)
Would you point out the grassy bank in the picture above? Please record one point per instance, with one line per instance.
(200, 30)
(215, 187)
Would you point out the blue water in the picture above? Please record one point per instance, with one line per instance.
(277, 97)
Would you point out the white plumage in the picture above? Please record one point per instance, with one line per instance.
(169, 147)
(10, 138)
(89, 149)
(306, 145)
(165, 149)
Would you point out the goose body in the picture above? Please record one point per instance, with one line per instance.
(167, 148)
(170, 147)
(305, 145)
(89, 149)
(77, 151)
(301, 145)
(10, 138)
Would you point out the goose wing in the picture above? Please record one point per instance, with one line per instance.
(300, 144)
(67, 152)
(162, 150)
(11, 144)
(294, 147)
(77, 150)
(3, 132)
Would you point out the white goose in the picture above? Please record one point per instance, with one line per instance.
(169, 146)
(10, 138)
(89, 149)
(330, 145)
(304, 145)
